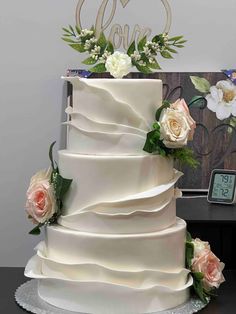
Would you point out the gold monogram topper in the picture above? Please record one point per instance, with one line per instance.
(141, 49)
(117, 33)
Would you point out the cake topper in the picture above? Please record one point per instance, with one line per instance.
(141, 49)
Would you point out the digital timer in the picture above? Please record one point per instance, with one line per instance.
(222, 188)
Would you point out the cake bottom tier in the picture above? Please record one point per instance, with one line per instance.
(112, 273)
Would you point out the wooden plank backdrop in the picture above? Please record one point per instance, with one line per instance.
(213, 144)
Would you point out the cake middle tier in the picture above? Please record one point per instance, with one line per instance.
(101, 179)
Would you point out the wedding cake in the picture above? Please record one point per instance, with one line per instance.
(113, 243)
(118, 247)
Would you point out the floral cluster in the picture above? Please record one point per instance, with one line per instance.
(45, 194)
(205, 268)
(173, 128)
(103, 57)
(221, 98)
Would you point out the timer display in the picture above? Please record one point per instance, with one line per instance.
(222, 186)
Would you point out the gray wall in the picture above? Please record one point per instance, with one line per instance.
(32, 95)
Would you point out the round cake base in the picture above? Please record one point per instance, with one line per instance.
(27, 297)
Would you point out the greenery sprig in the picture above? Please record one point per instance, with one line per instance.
(60, 186)
(143, 53)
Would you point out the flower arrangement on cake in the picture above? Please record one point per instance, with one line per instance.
(103, 57)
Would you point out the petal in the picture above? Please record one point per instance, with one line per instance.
(214, 93)
(211, 103)
(223, 112)
(225, 85)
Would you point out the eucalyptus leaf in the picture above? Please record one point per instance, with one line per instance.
(99, 68)
(201, 84)
(131, 49)
(89, 61)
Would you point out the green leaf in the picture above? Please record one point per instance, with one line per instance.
(176, 38)
(198, 275)
(131, 48)
(78, 30)
(198, 288)
(102, 42)
(188, 237)
(69, 40)
(99, 68)
(201, 84)
(166, 104)
(36, 230)
(89, 61)
(66, 30)
(155, 65)
(185, 156)
(149, 145)
(51, 154)
(198, 102)
(179, 46)
(61, 185)
(110, 47)
(92, 28)
(78, 47)
(166, 54)
(143, 69)
(189, 253)
(71, 28)
(158, 39)
(142, 43)
(171, 49)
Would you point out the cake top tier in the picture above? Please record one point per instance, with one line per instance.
(112, 116)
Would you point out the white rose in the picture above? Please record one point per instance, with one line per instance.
(41, 203)
(174, 128)
(118, 64)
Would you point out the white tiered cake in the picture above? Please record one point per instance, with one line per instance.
(118, 248)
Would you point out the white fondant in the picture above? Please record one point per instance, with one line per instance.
(103, 298)
(99, 104)
(143, 96)
(82, 141)
(163, 250)
(134, 222)
(98, 179)
(41, 267)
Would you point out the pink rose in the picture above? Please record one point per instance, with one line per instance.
(208, 264)
(41, 203)
(181, 105)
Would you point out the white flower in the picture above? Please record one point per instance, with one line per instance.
(174, 128)
(222, 99)
(136, 56)
(118, 64)
(199, 247)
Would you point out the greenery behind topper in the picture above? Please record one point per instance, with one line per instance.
(143, 54)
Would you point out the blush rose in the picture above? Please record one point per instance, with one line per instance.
(41, 203)
(211, 267)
